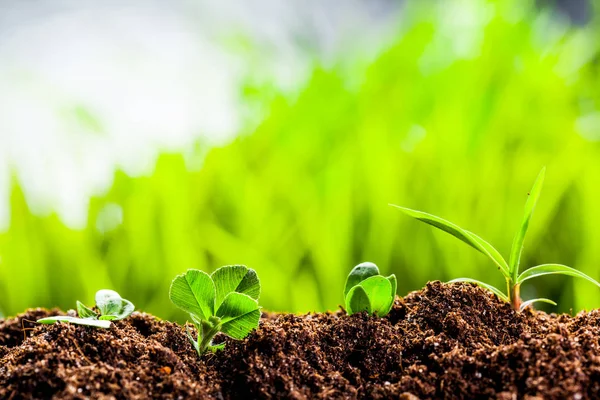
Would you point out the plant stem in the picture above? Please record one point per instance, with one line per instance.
(206, 333)
(514, 295)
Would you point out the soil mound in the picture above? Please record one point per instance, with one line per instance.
(444, 341)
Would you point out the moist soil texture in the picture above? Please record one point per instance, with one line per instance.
(444, 341)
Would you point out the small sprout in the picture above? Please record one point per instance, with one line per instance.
(509, 269)
(225, 301)
(367, 290)
(111, 305)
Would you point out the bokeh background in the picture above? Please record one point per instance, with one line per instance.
(139, 139)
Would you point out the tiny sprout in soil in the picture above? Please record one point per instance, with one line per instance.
(225, 301)
(510, 270)
(367, 290)
(111, 306)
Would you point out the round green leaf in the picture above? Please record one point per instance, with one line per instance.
(358, 274)
(239, 314)
(357, 301)
(127, 308)
(194, 292)
(379, 291)
(235, 278)
(394, 284)
(108, 302)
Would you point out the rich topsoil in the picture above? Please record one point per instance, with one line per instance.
(445, 341)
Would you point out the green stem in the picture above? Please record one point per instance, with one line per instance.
(206, 332)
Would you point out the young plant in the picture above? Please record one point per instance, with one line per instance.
(366, 290)
(225, 301)
(111, 305)
(509, 269)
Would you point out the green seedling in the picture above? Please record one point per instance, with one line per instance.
(111, 306)
(225, 301)
(509, 269)
(367, 290)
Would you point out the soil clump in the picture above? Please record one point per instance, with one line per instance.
(444, 341)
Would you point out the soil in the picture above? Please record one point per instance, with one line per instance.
(444, 341)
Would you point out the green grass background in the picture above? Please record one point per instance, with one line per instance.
(449, 122)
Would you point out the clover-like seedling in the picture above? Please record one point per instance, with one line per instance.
(111, 305)
(367, 290)
(225, 301)
(510, 269)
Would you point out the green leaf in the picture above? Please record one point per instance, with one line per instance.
(191, 339)
(194, 292)
(127, 308)
(484, 285)
(108, 302)
(216, 347)
(553, 269)
(527, 303)
(85, 312)
(125, 311)
(235, 278)
(378, 289)
(394, 283)
(75, 320)
(360, 273)
(462, 234)
(239, 314)
(357, 301)
(112, 306)
(517, 246)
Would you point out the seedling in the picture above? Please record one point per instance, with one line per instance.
(225, 301)
(111, 306)
(510, 270)
(367, 290)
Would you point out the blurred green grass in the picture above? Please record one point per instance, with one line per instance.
(456, 122)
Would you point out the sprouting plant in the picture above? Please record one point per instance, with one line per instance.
(510, 270)
(111, 305)
(367, 290)
(225, 301)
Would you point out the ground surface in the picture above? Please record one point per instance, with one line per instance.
(445, 341)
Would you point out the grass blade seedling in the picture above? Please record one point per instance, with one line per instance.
(367, 290)
(225, 301)
(111, 306)
(510, 270)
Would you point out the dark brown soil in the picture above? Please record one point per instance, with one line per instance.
(445, 341)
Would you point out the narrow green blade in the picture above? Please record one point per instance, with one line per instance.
(194, 292)
(462, 234)
(517, 245)
(235, 278)
(239, 315)
(527, 303)
(357, 301)
(484, 285)
(74, 320)
(553, 269)
(358, 274)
